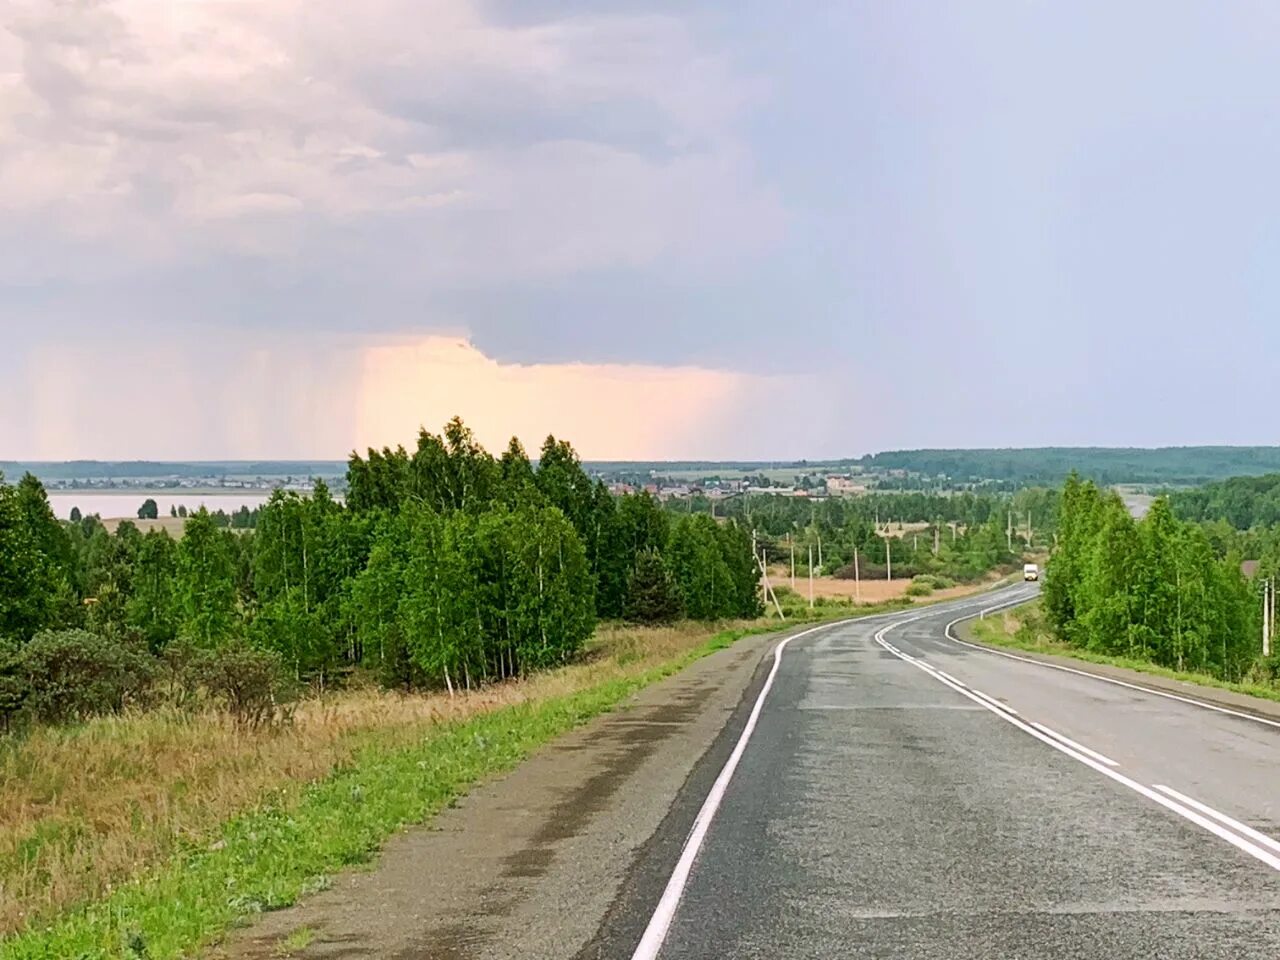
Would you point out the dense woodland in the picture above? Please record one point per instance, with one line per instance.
(1244, 502)
(446, 567)
(1159, 589)
(1049, 466)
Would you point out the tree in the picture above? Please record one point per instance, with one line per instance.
(652, 593)
(205, 582)
(153, 610)
(149, 510)
(76, 515)
(707, 588)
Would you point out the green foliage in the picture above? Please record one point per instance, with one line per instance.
(652, 593)
(248, 681)
(1244, 502)
(206, 585)
(149, 510)
(446, 567)
(1103, 465)
(73, 674)
(1153, 590)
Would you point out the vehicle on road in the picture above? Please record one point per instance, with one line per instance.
(1030, 571)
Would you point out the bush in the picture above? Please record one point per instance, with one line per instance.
(919, 588)
(74, 674)
(252, 684)
(13, 685)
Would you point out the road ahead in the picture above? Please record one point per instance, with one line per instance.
(902, 795)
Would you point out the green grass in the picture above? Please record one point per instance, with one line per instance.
(270, 857)
(1034, 638)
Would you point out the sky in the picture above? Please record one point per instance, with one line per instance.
(271, 228)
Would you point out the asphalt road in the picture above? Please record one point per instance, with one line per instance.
(898, 794)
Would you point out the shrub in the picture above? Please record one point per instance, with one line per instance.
(919, 588)
(74, 674)
(251, 683)
(13, 685)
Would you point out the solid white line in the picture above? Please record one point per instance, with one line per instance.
(996, 703)
(1081, 748)
(1094, 676)
(655, 933)
(1254, 850)
(1204, 808)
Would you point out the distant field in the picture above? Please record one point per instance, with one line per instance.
(867, 591)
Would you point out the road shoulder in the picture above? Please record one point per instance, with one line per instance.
(527, 865)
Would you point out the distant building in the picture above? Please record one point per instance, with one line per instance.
(845, 486)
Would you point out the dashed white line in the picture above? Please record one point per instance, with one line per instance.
(1248, 831)
(1075, 746)
(1094, 676)
(1194, 811)
(998, 704)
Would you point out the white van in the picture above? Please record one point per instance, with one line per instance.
(1030, 572)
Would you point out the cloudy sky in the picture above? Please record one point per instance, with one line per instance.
(251, 228)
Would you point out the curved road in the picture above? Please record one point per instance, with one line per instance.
(887, 791)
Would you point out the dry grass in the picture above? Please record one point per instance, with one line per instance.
(868, 591)
(173, 525)
(84, 808)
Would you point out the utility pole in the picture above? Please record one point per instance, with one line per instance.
(1008, 531)
(1028, 529)
(819, 551)
(768, 589)
(792, 544)
(937, 534)
(1268, 608)
(888, 557)
(811, 576)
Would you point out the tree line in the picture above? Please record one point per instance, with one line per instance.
(1155, 589)
(967, 534)
(446, 567)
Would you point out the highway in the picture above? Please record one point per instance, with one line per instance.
(887, 791)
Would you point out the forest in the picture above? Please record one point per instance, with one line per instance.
(1158, 589)
(1049, 466)
(446, 567)
(1244, 502)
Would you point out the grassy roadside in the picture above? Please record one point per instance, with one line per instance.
(1023, 628)
(149, 835)
(285, 846)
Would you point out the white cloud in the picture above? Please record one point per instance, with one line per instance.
(140, 134)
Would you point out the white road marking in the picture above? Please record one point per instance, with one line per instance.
(1094, 676)
(655, 933)
(1189, 813)
(1079, 747)
(1248, 831)
(998, 704)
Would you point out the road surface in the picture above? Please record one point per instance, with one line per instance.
(885, 791)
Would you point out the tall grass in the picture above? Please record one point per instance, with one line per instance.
(88, 808)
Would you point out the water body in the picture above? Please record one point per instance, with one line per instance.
(125, 503)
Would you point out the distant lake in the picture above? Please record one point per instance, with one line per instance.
(126, 503)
